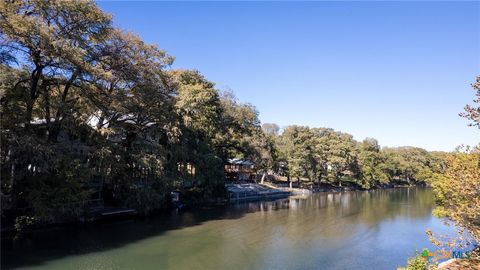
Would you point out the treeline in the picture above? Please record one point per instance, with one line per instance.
(89, 111)
(325, 155)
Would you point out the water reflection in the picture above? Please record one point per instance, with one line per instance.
(359, 230)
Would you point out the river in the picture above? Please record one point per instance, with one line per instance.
(350, 230)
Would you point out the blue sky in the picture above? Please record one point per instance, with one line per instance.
(396, 71)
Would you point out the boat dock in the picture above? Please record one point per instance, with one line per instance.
(254, 192)
(115, 212)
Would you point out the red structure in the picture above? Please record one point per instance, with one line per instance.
(240, 170)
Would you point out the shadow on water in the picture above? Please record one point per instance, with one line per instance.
(367, 208)
(32, 249)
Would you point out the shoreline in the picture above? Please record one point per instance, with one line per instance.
(271, 192)
(326, 187)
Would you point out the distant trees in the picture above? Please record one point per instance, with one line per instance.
(342, 160)
(373, 167)
(296, 148)
(271, 129)
(322, 154)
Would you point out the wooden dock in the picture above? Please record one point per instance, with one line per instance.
(111, 212)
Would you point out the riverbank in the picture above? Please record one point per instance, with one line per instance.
(301, 187)
(269, 190)
(236, 192)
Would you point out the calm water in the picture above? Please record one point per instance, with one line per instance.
(351, 230)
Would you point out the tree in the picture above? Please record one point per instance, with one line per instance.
(410, 164)
(322, 150)
(297, 149)
(456, 182)
(78, 91)
(56, 41)
(239, 124)
(472, 112)
(456, 187)
(46, 47)
(270, 128)
(371, 164)
(457, 193)
(197, 102)
(199, 109)
(265, 143)
(342, 156)
(265, 153)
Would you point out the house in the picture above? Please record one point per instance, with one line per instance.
(240, 170)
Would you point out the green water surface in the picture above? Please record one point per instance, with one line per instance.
(350, 230)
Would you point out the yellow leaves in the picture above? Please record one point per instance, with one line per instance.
(440, 212)
(458, 191)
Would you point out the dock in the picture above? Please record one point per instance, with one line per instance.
(114, 212)
(254, 192)
(97, 211)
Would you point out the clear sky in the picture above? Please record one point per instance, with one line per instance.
(396, 71)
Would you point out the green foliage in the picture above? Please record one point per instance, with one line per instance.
(197, 102)
(22, 222)
(297, 149)
(239, 127)
(456, 180)
(54, 198)
(204, 194)
(321, 154)
(416, 263)
(456, 190)
(372, 164)
(410, 164)
(146, 199)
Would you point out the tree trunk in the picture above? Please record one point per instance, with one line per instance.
(12, 169)
(46, 96)
(263, 177)
(35, 78)
(29, 112)
(100, 122)
(61, 111)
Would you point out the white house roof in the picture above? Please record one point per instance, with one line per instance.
(239, 161)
